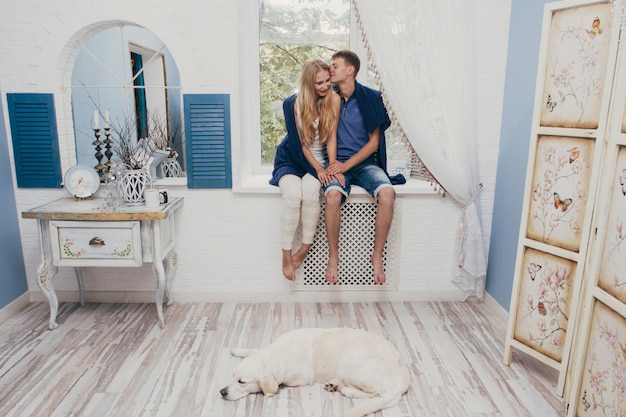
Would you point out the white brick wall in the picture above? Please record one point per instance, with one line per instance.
(228, 244)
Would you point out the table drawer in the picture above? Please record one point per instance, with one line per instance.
(96, 243)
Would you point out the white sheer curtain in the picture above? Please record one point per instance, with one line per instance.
(424, 53)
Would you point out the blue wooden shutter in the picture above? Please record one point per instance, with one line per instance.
(35, 140)
(207, 130)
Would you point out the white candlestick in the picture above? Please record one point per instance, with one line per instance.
(107, 121)
(94, 121)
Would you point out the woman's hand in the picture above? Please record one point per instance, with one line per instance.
(326, 178)
(323, 177)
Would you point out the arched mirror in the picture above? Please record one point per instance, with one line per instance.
(126, 83)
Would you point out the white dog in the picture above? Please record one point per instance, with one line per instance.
(357, 363)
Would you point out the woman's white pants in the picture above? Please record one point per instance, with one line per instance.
(300, 203)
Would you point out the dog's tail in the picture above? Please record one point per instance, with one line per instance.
(387, 399)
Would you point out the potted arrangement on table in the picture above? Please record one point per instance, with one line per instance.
(135, 178)
(139, 158)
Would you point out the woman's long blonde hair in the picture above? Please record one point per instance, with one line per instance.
(312, 106)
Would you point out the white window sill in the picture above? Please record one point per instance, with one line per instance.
(172, 181)
(259, 184)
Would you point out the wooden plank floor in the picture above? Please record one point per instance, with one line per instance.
(109, 360)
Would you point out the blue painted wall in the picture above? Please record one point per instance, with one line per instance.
(519, 93)
(13, 276)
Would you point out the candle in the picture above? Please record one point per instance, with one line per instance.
(94, 121)
(106, 120)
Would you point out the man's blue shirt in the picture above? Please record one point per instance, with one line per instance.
(351, 132)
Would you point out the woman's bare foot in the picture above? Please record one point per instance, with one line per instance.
(301, 254)
(332, 270)
(289, 271)
(379, 270)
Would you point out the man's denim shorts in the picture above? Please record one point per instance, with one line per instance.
(367, 175)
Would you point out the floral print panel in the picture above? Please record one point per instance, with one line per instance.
(612, 276)
(603, 386)
(560, 187)
(545, 300)
(578, 51)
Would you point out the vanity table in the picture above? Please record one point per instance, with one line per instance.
(83, 233)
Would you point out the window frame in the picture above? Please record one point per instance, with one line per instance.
(248, 172)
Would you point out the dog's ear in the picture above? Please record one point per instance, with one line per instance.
(269, 385)
(242, 352)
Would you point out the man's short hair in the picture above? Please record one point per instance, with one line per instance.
(350, 58)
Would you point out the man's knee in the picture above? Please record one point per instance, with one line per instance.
(386, 196)
(333, 198)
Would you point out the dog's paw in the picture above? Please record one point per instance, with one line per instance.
(330, 387)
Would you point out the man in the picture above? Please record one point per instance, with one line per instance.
(361, 160)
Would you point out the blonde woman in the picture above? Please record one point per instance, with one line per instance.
(311, 117)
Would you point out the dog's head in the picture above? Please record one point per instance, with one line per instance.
(251, 376)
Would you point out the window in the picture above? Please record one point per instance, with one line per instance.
(292, 31)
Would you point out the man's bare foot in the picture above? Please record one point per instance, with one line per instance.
(289, 271)
(379, 270)
(332, 270)
(300, 255)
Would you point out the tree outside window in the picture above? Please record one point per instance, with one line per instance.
(292, 31)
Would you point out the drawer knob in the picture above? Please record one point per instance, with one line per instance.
(97, 241)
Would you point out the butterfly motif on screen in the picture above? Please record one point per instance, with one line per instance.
(541, 308)
(586, 402)
(550, 104)
(574, 153)
(596, 27)
(533, 268)
(622, 181)
(560, 204)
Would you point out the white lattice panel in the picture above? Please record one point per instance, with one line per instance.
(356, 241)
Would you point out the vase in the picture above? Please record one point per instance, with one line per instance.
(155, 160)
(133, 184)
(171, 168)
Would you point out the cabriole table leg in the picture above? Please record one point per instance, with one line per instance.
(45, 273)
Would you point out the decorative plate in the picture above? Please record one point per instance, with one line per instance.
(82, 181)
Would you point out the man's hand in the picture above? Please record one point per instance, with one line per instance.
(341, 179)
(335, 168)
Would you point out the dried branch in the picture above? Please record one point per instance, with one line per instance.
(133, 153)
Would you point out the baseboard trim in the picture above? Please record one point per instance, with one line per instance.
(14, 306)
(99, 296)
(499, 316)
(322, 296)
(494, 306)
